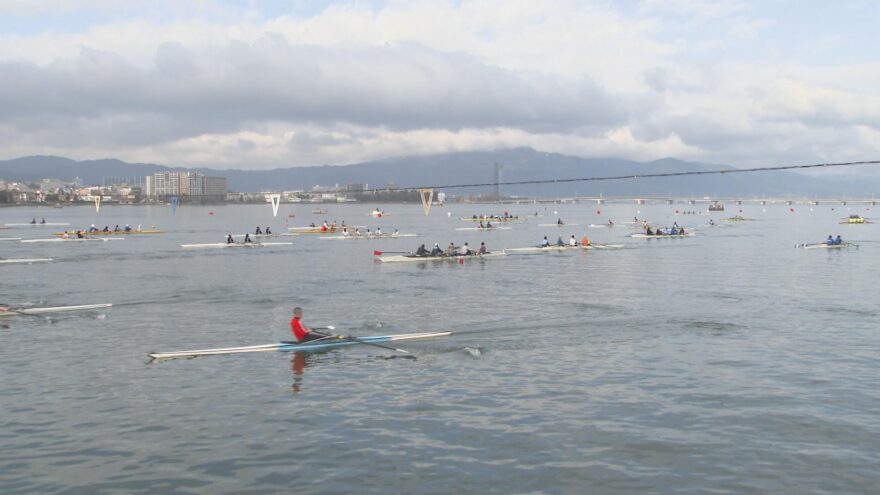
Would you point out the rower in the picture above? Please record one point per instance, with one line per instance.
(610, 223)
(357, 232)
(481, 225)
(559, 241)
(585, 241)
(312, 225)
(464, 250)
(488, 224)
(829, 241)
(369, 234)
(838, 240)
(229, 239)
(345, 232)
(258, 231)
(572, 242)
(34, 221)
(43, 221)
(378, 231)
(324, 226)
(332, 225)
(93, 228)
(559, 222)
(436, 251)
(648, 230)
(79, 234)
(711, 222)
(64, 235)
(247, 239)
(395, 233)
(301, 332)
(545, 242)
(421, 251)
(483, 248)
(268, 231)
(116, 229)
(106, 228)
(450, 250)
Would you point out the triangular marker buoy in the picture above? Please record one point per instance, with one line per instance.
(97, 204)
(174, 200)
(276, 201)
(427, 196)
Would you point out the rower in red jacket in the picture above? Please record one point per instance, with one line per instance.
(301, 332)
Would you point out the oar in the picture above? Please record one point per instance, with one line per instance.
(359, 341)
(10, 310)
(380, 253)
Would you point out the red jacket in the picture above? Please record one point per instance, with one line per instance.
(299, 331)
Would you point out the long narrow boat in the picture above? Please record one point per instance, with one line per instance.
(823, 245)
(303, 347)
(481, 229)
(47, 224)
(603, 246)
(662, 236)
(457, 257)
(266, 236)
(492, 219)
(854, 220)
(73, 239)
(362, 237)
(12, 261)
(540, 249)
(10, 238)
(57, 309)
(558, 225)
(236, 245)
(113, 232)
(314, 230)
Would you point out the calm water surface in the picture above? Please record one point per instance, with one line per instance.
(726, 363)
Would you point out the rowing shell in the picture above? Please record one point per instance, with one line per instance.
(412, 257)
(10, 238)
(36, 224)
(662, 236)
(72, 239)
(304, 347)
(483, 228)
(236, 245)
(24, 260)
(558, 225)
(363, 237)
(567, 247)
(114, 232)
(57, 309)
(263, 236)
(492, 219)
(828, 246)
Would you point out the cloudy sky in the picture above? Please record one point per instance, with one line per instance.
(253, 84)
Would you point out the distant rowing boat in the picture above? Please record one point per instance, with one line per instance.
(662, 236)
(303, 347)
(558, 224)
(491, 219)
(854, 220)
(364, 237)
(828, 246)
(265, 236)
(456, 257)
(57, 309)
(10, 238)
(74, 239)
(483, 228)
(47, 224)
(567, 247)
(222, 245)
(24, 260)
(112, 232)
(603, 225)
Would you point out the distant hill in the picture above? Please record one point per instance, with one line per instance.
(521, 164)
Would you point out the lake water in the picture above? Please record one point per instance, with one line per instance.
(730, 362)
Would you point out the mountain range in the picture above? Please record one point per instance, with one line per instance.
(519, 164)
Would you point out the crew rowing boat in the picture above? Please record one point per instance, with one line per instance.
(265, 236)
(10, 238)
(828, 246)
(320, 345)
(484, 228)
(47, 224)
(456, 257)
(57, 309)
(492, 219)
(540, 249)
(662, 236)
(112, 232)
(558, 224)
(24, 260)
(74, 239)
(236, 245)
(314, 230)
(364, 237)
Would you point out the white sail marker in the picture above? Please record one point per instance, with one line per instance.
(276, 201)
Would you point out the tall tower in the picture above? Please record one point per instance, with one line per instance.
(498, 168)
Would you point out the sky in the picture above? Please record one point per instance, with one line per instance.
(257, 85)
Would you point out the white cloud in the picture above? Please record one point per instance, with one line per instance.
(197, 83)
